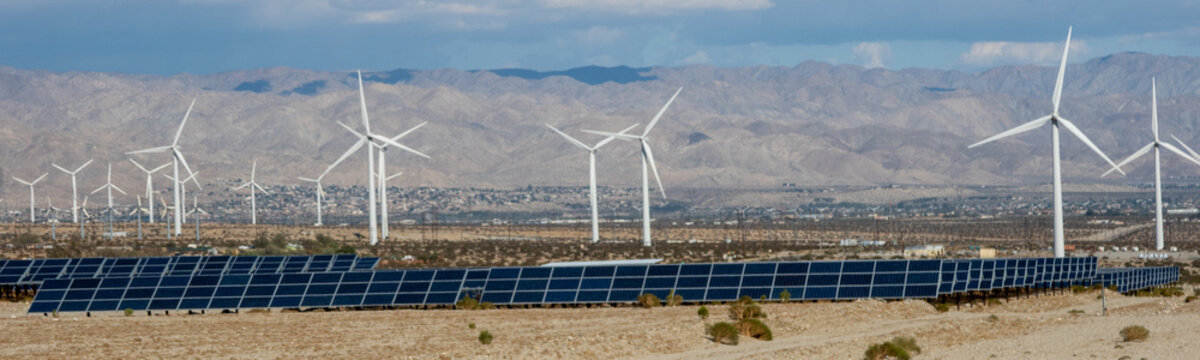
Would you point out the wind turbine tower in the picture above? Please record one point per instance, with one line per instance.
(591, 174)
(32, 214)
(252, 185)
(74, 189)
(177, 159)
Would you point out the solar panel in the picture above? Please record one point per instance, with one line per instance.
(31, 272)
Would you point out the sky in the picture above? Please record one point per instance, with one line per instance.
(207, 36)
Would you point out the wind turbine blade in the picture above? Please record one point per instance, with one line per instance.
(60, 168)
(253, 169)
(394, 176)
(244, 185)
(1079, 134)
(414, 128)
(569, 138)
(612, 134)
(118, 189)
(21, 181)
(163, 166)
(182, 123)
(650, 159)
(1062, 68)
(1136, 154)
(202, 211)
(307, 179)
(39, 178)
(139, 166)
(260, 188)
(357, 145)
(399, 145)
(1176, 150)
(1189, 149)
(149, 151)
(660, 113)
(1154, 108)
(611, 138)
(98, 189)
(356, 133)
(362, 100)
(1016, 130)
(89, 162)
(192, 175)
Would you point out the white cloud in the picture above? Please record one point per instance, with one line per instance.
(872, 54)
(657, 6)
(697, 58)
(598, 35)
(989, 53)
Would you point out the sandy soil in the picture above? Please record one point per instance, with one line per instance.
(1023, 328)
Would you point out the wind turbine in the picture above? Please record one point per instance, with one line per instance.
(253, 185)
(110, 187)
(592, 174)
(647, 159)
(196, 208)
(1055, 121)
(320, 196)
(383, 178)
(139, 211)
(176, 159)
(83, 208)
(52, 218)
(1156, 144)
(74, 192)
(149, 184)
(364, 138)
(183, 190)
(32, 215)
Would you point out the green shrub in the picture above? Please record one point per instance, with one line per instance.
(128, 312)
(1075, 312)
(993, 302)
(649, 300)
(1134, 333)
(471, 325)
(785, 296)
(467, 303)
(703, 312)
(942, 307)
(723, 332)
(486, 305)
(485, 337)
(673, 299)
(898, 348)
(754, 328)
(746, 311)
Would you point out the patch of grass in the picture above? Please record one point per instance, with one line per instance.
(785, 296)
(471, 325)
(649, 300)
(128, 312)
(723, 333)
(942, 307)
(485, 337)
(673, 299)
(702, 312)
(1075, 312)
(1167, 291)
(468, 303)
(754, 328)
(1134, 333)
(902, 348)
(993, 318)
(993, 302)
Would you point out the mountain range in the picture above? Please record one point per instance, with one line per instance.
(813, 124)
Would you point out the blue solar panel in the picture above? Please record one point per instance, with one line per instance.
(32, 272)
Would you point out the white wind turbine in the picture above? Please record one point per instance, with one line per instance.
(176, 160)
(647, 159)
(32, 214)
(196, 211)
(252, 185)
(1156, 144)
(320, 196)
(364, 138)
(150, 184)
(1055, 120)
(592, 174)
(74, 191)
(383, 177)
(183, 190)
(110, 187)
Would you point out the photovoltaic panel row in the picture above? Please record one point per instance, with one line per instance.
(1134, 279)
(26, 272)
(812, 280)
(960, 275)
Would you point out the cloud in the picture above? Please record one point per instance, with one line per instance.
(598, 35)
(872, 54)
(697, 58)
(657, 6)
(988, 53)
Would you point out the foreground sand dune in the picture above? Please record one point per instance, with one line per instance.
(1038, 328)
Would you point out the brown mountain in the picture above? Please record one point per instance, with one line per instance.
(812, 124)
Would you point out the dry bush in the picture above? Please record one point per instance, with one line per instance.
(754, 328)
(723, 332)
(902, 348)
(649, 300)
(1134, 333)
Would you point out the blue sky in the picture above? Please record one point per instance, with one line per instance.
(205, 36)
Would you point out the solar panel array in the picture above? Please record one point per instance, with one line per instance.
(807, 280)
(1134, 279)
(32, 272)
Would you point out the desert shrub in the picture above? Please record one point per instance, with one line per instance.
(471, 325)
(703, 312)
(468, 303)
(485, 337)
(723, 332)
(649, 300)
(1075, 312)
(898, 348)
(942, 307)
(762, 298)
(1134, 333)
(673, 299)
(486, 305)
(754, 328)
(785, 296)
(739, 311)
(993, 302)
(128, 312)
(993, 318)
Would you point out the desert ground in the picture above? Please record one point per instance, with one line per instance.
(1042, 327)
